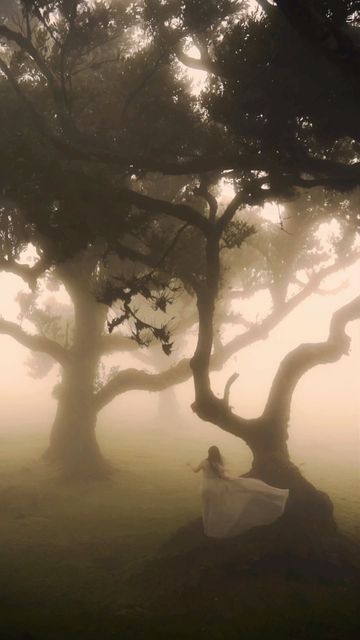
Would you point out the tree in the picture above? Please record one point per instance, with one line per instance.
(267, 435)
(288, 130)
(273, 149)
(61, 208)
(78, 343)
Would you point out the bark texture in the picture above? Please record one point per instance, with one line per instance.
(73, 445)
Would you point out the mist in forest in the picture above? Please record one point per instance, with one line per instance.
(179, 319)
(160, 427)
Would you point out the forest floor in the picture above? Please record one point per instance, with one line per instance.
(69, 554)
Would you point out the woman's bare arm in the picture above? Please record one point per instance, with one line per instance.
(195, 469)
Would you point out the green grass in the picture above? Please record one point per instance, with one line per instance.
(67, 552)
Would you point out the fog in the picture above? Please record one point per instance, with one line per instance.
(324, 429)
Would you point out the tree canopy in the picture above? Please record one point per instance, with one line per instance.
(110, 159)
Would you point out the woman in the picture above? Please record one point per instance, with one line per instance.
(230, 506)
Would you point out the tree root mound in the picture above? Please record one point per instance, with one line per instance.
(191, 562)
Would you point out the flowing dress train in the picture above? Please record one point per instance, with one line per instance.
(231, 506)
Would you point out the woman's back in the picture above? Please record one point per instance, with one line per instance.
(212, 470)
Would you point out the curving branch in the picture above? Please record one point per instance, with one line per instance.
(134, 379)
(305, 357)
(35, 342)
(262, 330)
(183, 212)
(228, 386)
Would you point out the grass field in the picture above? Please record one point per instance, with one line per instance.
(68, 550)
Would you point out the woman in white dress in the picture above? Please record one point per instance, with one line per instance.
(230, 506)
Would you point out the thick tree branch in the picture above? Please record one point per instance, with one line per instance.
(133, 379)
(116, 342)
(35, 343)
(183, 212)
(304, 358)
(206, 405)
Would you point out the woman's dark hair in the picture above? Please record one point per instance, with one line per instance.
(215, 459)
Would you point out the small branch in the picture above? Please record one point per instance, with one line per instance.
(228, 386)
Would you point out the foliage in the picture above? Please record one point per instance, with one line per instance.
(91, 79)
(157, 294)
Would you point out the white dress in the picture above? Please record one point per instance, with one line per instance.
(231, 506)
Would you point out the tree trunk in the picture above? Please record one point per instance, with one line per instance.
(73, 444)
(307, 507)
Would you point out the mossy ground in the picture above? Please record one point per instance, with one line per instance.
(69, 553)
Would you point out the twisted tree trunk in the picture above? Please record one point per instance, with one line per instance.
(308, 507)
(267, 435)
(73, 445)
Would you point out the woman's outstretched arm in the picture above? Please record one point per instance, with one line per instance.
(195, 469)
